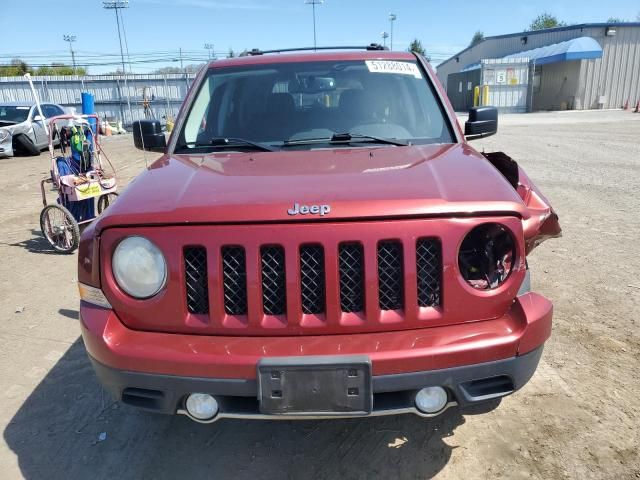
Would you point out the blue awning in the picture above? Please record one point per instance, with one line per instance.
(581, 48)
(471, 66)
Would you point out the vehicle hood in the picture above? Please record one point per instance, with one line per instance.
(12, 127)
(380, 182)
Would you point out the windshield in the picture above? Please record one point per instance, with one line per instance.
(288, 103)
(13, 114)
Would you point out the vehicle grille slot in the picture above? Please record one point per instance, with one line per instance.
(312, 279)
(390, 277)
(197, 285)
(351, 267)
(429, 268)
(234, 280)
(274, 295)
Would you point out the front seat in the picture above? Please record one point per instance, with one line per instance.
(353, 109)
(278, 122)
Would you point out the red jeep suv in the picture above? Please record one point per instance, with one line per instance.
(318, 240)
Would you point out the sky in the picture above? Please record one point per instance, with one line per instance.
(165, 26)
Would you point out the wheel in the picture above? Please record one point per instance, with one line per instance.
(24, 144)
(60, 228)
(105, 200)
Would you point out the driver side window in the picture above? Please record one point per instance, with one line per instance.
(50, 111)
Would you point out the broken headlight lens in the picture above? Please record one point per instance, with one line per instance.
(4, 135)
(486, 256)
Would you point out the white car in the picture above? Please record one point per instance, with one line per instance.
(22, 128)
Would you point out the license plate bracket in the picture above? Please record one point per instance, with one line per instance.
(315, 386)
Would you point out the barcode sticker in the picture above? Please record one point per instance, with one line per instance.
(389, 66)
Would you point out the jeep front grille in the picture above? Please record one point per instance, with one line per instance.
(234, 280)
(312, 279)
(274, 292)
(390, 279)
(429, 265)
(196, 279)
(351, 270)
(356, 266)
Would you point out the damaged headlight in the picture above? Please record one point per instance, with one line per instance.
(4, 134)
(486, 256)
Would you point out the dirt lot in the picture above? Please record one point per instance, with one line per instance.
(578, 418)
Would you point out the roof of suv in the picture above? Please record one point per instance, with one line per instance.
(324, 56)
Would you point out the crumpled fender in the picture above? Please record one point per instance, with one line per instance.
(542, 222)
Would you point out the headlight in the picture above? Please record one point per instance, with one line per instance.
(486, 256)
(139, 267)
(4, 134)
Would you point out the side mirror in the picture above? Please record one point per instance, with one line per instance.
(148, 135)
(37, 118)
(483, 121)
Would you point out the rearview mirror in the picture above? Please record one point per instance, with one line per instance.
(37, 118)
(483, 121)
(148, 135)
(312, 84)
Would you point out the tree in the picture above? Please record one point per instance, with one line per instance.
(16, 68)
(477, 38)
(545, 20)
(416, 47)
(231, 54)
(59, 69)
(614, 20)
(167, 70)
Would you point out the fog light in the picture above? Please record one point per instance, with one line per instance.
(431, 399)
(202, 406)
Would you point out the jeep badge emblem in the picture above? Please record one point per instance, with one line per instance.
(321, 210)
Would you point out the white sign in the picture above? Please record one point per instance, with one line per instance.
(501, 77)
(389, 66)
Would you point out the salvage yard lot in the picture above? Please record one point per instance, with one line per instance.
(579, 417)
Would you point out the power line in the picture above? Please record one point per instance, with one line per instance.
(126, 44)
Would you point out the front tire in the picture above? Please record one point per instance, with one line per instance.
(60, 228)
(22, 143)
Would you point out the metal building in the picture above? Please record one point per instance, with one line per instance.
(588, 66)
(116, 96)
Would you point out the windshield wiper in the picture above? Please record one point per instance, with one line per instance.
(231, 142)
(338, 138)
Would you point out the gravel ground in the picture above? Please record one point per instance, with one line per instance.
(577, 418)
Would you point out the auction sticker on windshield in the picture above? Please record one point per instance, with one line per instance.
(386, 66)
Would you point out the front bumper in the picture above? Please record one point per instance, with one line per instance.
(6, 147)
(392, 394)
(156, 370)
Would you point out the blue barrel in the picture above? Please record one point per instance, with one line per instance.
(88, 107)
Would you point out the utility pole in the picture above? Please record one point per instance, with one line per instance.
(384, 36)
(392, 18)
(126, 44)
(115, 5)
(209, 46)
(71, 39)
(313, 4)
